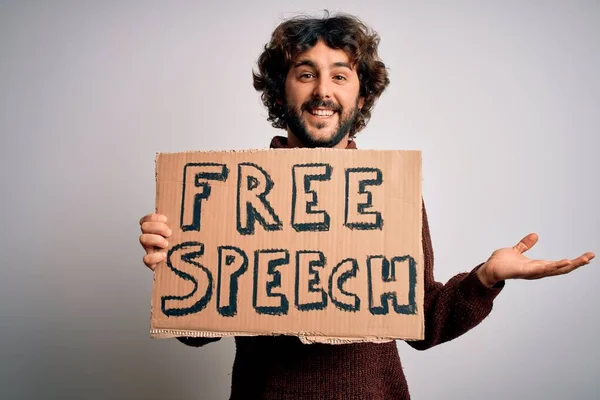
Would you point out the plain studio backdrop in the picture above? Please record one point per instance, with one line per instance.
(503, 98)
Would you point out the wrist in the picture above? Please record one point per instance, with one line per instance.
(483, 276)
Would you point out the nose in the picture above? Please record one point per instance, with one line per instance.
(322, 88)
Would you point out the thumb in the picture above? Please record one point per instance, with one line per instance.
(526, 243)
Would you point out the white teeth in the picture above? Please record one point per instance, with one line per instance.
(322, 113)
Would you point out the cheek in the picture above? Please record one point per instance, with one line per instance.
(293, 94)
(290, 88)
(351, 97)
(286, 88)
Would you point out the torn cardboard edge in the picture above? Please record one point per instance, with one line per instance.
(306, 339)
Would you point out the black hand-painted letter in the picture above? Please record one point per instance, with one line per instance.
(265, 266)
(254, 184)
(183, 256)
(383, 284)
(196, 177)
(342, 299)
(309, 289)
(233, 262)
(304, 215)
(357, 216)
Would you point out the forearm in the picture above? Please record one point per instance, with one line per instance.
(452, 309)
(455, 308)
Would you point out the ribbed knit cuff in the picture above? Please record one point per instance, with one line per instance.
(474, 290)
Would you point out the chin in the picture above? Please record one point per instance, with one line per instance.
(321, 137)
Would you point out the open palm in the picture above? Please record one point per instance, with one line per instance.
(510, 263)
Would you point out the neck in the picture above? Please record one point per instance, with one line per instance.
(281, 142)
(294, 142)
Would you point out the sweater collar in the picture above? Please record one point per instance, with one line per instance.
(281, 142)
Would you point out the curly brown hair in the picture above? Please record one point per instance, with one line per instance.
(300, 34)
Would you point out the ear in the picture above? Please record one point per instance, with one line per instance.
(361, 103)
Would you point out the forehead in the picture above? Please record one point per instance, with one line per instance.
(323, 56)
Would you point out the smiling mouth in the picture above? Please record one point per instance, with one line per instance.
(319, 112)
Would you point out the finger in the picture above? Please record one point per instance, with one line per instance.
(157, 228)
(566, 266)
(536, 269)
(589, 256)
(149, 241)
(154, 258)
(562, 267)
(153, 218)
(552, 267)
(572, 266)
(580, 261)
(526, 243)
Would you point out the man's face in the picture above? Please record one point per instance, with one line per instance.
(322, 97)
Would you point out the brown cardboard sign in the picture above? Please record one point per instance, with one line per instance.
(322, 244)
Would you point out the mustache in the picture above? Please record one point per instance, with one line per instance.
(321, 103)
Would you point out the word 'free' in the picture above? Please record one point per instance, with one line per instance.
(254, 185)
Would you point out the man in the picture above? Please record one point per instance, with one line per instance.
(319, 80)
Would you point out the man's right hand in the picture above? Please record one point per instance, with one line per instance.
(155, 232)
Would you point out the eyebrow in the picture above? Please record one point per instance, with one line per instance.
(311, 64)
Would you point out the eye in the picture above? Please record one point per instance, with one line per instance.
(307, 75)
(339, 77)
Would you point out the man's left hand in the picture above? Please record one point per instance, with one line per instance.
(510, 263)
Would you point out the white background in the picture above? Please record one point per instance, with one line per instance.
(503, 98)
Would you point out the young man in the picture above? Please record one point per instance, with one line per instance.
(319, 80)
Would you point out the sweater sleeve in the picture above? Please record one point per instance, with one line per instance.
(196, 341)
(454, 308)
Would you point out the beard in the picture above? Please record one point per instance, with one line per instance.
(297, 125)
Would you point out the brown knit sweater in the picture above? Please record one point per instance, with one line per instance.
(282, 368)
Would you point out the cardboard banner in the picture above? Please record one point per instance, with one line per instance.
(322, 244)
